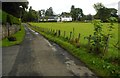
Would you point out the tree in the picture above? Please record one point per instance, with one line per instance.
(99, 41)
(72, 8)
(79, 13)
(73, 12)
(105, 13)
(49, 12)
(65, 14)
(14, 8)
(113, 12)
(89, 17)
(42, 13)
(25, 16)
(39, 12)
(30, 15)
(98, 6)
(76, 13)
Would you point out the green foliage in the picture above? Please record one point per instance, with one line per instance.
(99, 41)
(4, 17)
(14, 8)
(98, 6)
(88, 17)
(49, 12)
(76, 13)
(97, 37)
(112, 19)
(9, 18)
(105, 13)
(31, 15)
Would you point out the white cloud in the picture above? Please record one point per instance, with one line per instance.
(65, 5)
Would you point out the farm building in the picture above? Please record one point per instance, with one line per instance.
(64, 17)
(56, 18)
(48, 18)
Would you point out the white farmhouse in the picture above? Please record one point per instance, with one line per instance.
(64, 17)
(48, 19)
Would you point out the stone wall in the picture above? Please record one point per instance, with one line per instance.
(4, 30)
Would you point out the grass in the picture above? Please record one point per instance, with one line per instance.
(85, 29)
(98, 65)
(19, 38)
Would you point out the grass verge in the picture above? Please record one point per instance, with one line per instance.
(19, 38)
(98, 65)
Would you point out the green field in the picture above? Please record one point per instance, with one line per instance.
(85, 29)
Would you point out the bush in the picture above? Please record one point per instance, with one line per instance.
(4, 17)
(99, 42)
(9, 18)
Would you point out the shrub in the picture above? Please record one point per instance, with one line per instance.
(9, 18)
(4, 17)
(99, 42)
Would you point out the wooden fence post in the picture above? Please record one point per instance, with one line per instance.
(70, 35)
(78, 38)
(51, 31)
(89, 46)
(48, 31)
(55, 34)
(64, 34)
(73, 32)
(89, 38)
(58, 33)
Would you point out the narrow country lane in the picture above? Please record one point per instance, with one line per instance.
(36, 56)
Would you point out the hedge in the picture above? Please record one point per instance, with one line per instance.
(9, 18)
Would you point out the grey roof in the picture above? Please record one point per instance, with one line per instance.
(48, 17)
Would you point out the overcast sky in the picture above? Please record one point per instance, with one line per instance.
(65, 5)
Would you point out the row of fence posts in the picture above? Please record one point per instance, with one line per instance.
(58, 33)
(71, 38)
